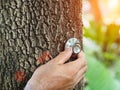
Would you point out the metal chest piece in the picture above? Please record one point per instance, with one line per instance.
(75, 44)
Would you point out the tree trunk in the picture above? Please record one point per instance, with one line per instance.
(30, 27)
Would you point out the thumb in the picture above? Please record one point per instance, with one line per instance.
(63, 56)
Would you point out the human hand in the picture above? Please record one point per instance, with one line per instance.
(58, 75)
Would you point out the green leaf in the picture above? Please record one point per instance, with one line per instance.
(98, 76)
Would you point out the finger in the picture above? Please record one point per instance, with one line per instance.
(80, 74)
(76, 65)
(81, 54)
(78, 80)
(63, 56)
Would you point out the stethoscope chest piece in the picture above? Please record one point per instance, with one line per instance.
(75, 44)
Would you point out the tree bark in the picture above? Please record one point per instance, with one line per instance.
(30, 27)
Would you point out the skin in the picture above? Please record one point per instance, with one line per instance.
(58, 75)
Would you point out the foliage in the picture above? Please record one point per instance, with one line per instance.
(102, 48)
(103, 34)
(98, 76)
(108, 38)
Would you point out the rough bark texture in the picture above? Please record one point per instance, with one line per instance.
(30, 27)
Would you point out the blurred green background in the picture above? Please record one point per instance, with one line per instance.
(101, 20)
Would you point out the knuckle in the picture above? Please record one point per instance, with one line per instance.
(62, 53)
(81, 56)
(82, 53)
(84, 62)
(85, 69)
